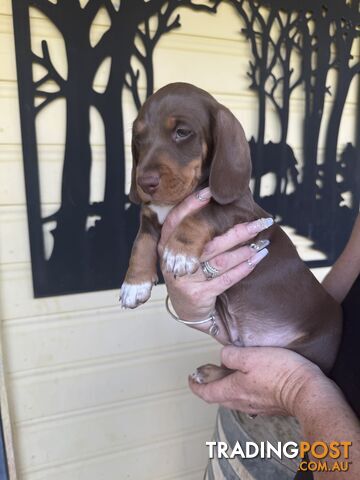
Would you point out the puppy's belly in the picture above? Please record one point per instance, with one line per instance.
(254, 335)
(251, 332)
(250, 328)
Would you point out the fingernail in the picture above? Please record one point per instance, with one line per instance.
(251, 415)
(197, 377)
(203, 194)
(259, 225)
(254, 260)
(259, 245)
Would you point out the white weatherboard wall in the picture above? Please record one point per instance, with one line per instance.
(96, 392)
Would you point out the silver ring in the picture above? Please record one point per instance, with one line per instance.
(259, 245)
(210, 272)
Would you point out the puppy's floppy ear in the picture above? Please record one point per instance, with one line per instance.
(231, 165)
(133, 194)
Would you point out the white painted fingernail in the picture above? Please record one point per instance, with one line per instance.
(259, 225)
(254, 260)
(203, 194)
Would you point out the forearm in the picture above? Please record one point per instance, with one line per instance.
(325, 416)
(346, 269)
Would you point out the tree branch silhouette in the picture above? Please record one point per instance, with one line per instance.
(132, 85)
(50, 10)
(45, 61)
(51, 75)
(92, 7)
(49, 97)
(284, 48)
(150, 40)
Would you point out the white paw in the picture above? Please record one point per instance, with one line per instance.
(131, 296)
(179, 263)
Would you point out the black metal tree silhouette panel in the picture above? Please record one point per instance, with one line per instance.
(307, 46)
(95, 258)
(298, 45)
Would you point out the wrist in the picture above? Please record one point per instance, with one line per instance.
(297, 386)
(209, 321)
(189, 310)
(314, 392)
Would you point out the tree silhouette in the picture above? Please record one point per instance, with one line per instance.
(95, 258)
(271, 33)
(347, 31)
(316, 63)
(149, 42)
(293, 45)
(283, 82)
(285, 79)
(258, 31)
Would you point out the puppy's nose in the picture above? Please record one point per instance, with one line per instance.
(149, 182)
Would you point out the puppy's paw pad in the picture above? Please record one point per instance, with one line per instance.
(133, 295)
(180, 264)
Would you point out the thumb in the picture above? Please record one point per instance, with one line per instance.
(237, 358)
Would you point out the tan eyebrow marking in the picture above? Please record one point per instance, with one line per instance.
(170, 122)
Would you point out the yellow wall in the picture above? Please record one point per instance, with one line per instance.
(97, 392)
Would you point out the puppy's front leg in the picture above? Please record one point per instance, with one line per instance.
(141, 274)
(186, 244)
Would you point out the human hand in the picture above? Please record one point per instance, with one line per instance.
(192, 296)
(267, 380)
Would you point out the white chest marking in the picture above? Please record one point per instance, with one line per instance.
(161, 211)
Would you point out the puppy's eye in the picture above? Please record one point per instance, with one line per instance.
(182, 133)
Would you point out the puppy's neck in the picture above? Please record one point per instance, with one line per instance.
(248, 209)
(161, 211)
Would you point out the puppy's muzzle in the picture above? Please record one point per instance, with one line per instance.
(149, 183)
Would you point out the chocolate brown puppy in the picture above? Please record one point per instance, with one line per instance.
(183, 140)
